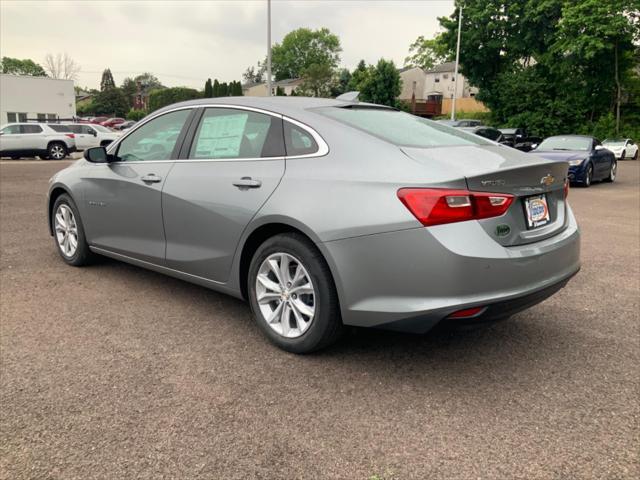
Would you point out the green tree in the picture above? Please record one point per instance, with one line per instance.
(129, 89)
(107, 82)
(110, 102)
(341, 82)
(216, 88)
(426, 53)
(302, 48)
(136, 115)
(383, 85)
(149, 81)
(316, 81)
(359, 77)
(15, 66)
(546, 65)
(208, 89)
(162, 97)
(223, 90)
(280, 92)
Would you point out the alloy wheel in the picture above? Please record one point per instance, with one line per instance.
(57, 152)
(614, 168)
(66, 230)
(285, 295)
(588, 176)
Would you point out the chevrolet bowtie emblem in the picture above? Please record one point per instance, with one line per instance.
(547, 180)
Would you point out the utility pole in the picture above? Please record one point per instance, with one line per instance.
(269, 48)
(455, 84)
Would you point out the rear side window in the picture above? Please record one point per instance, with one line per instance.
(31, 129)
(60, 128)
(298, 141)
(228, 133)
(401, 128)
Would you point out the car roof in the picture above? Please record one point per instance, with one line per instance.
(284, 105)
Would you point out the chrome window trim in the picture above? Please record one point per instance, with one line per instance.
(323, 148)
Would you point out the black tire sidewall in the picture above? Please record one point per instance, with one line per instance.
(82, 253)
(323, 329)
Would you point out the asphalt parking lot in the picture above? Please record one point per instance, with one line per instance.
(115, 372)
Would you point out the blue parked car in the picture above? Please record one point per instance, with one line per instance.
(588, 159)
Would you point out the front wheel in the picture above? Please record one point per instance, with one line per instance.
(68, 232)
(612, 172)
(57, 151)
(292, 294)
(635, 156)
(588, 177)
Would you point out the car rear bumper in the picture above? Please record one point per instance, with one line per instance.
(412, 279)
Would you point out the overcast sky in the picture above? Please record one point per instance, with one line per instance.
(185, 42)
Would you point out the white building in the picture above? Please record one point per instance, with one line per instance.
(25, 98)
(288, 86)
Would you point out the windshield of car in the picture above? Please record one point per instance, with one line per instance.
(508, 131)
(614, 142)
(566, 143)
(401, 128)
(100, 128)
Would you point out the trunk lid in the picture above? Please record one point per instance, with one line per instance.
(500, 169)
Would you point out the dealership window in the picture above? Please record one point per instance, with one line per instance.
(51, 116)
(42, 117)
(22, 117)
(12, 117)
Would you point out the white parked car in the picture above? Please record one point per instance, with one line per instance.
(622, 148)
(88, 136)
(48, 141)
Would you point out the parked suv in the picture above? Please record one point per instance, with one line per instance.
(88, 136)
(29, 139)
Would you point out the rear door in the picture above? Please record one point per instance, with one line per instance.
(230, 164)
(122, 200)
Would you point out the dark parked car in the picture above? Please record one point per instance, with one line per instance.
(519, 138)
(463, 122)
(486, 132)
(588, 159)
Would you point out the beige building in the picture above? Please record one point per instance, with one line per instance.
(260, 89)
(437, 82)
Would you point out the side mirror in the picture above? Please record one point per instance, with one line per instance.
(96, 155)
(94, 133)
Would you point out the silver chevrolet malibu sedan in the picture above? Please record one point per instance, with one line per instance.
(323, 213)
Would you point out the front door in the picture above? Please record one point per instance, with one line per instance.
(235, 162)
(123, 198)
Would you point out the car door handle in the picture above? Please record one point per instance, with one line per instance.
(247, 182)
(151, 178)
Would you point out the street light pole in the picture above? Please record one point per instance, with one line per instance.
(268, 48)
(455, 84)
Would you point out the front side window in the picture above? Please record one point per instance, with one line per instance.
(31, 129)
(155, 140)
(402, 129)
(227, 133)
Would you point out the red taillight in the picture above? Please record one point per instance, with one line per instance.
(468, 312)
(566, 187)
(70, 135)
(435, 206)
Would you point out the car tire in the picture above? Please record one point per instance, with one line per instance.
(635, 156)
(622, 155)
(56, 151)
(588, 177)
(612, 172)
(66, 223)
(313, 318)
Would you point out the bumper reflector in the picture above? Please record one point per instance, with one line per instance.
(468, 312)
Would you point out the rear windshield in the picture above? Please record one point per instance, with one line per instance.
(59, 128)
(401, 128)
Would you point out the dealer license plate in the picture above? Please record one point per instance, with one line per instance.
(537, 211)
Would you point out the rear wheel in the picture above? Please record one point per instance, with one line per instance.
(623, 155)
(612, 172)
(68, 232)
(292, 294)
(588, 177)
(635, 155)
(56, 151)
